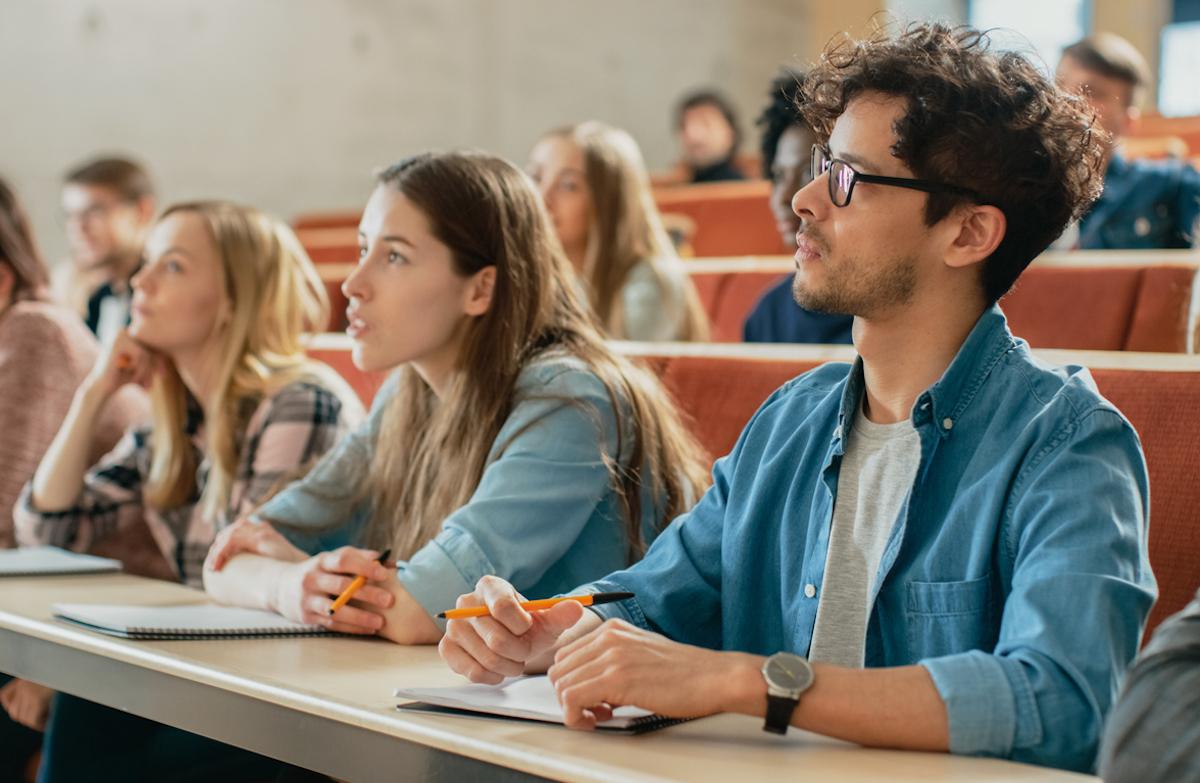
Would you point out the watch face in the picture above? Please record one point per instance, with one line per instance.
(788, 672)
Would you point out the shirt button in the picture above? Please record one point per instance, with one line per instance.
(947, 423)
(809, 591)
(837, 433)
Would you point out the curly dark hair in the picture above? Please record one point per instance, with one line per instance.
(781, 113)
(983, 120)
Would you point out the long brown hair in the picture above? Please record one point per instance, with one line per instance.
(626, 229)
(19, 250)
(274, 295)
(431, 452)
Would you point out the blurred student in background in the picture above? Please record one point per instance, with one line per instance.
(108, 204)
(709, 138)
(594, 184)
(787, 144)
(1146, 204)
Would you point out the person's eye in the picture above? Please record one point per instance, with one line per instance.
(396, 258)
(568, 186)
(172, 266)
(362, 252)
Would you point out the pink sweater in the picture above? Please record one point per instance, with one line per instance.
(45, 352)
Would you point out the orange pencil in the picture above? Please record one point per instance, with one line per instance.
(124, 361)
(588, 599)
(355, 586)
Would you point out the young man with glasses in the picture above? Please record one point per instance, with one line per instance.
(108, 205)
(939, 547)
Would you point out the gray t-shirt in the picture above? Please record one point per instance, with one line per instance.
(877, 473)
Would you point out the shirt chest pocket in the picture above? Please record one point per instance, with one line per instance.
(950, 617)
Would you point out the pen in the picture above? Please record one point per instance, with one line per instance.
(588, 599)
(354, 586)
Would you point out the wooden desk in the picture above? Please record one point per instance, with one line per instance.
(326, 704)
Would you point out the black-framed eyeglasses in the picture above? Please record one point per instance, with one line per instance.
(843, 177)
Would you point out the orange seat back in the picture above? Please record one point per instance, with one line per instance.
(732, 218)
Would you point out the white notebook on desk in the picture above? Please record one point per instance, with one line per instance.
(520, 698)
(190, 621)
(52, 561)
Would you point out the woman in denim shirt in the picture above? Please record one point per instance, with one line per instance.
(511, 441)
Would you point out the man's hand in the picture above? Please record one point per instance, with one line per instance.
(619, 664)
(488, 649)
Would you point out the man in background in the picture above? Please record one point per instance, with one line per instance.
(108, 204)
(787, 143)
(1145, 204)
(708, 134)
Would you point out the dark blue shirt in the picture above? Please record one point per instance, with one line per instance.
(778, 319)
(1146, 205)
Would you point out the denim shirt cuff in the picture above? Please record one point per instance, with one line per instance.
(980, 706)
(629, 610)
(442, 570)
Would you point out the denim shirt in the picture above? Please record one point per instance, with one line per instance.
(1145, 205)
(544, 516)
(1016, 572)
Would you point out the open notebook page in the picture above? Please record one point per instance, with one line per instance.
(527, 698)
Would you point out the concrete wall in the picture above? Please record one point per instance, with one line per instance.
(290, 104)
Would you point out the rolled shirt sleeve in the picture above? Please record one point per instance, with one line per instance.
(1075, 531)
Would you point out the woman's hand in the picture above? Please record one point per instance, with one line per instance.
(305, 591)
(127, 361)
(256, 538)
(27, 703)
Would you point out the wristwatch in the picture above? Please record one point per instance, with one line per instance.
(788, 677)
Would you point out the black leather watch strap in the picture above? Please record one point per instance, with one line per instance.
(779, 713)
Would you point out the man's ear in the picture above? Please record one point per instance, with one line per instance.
(479, 291)
(981, 228)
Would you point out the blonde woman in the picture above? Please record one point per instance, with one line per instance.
(219, 310)
(594, 184)
(511, 440)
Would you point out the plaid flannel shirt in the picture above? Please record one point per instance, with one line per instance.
(286, 433)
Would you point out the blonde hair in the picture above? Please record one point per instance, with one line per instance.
(274, 295)
(431, 452)
(626, 228)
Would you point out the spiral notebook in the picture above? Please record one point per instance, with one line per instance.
(52, 561)
(521, 698)
(191, 621)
